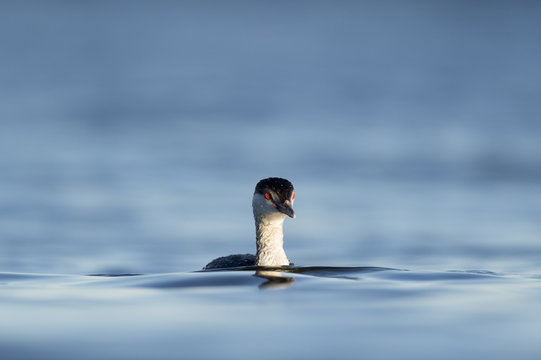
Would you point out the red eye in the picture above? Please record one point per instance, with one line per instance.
(293, 196)
(267, 196)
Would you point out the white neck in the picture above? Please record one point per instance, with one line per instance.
(269, 237)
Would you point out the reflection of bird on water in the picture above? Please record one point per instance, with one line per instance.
(276, 280)
(272, 201)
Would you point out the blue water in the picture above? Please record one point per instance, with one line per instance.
(132, 134)
(313, 314)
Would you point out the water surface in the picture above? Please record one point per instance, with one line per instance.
(316, 313)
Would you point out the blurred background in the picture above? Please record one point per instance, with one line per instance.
(132, 133)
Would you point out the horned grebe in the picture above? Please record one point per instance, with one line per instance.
(273, 200)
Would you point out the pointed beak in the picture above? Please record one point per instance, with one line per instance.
(286, 208)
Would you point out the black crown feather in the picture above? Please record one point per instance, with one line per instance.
(281, 187)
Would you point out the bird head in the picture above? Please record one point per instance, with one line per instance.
(273, 196)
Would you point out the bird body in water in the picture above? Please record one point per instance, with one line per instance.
(272, 202)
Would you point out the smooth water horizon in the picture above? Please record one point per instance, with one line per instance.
(132, 135)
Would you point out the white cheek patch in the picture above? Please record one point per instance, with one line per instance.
(264, 210)
(262, 205)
